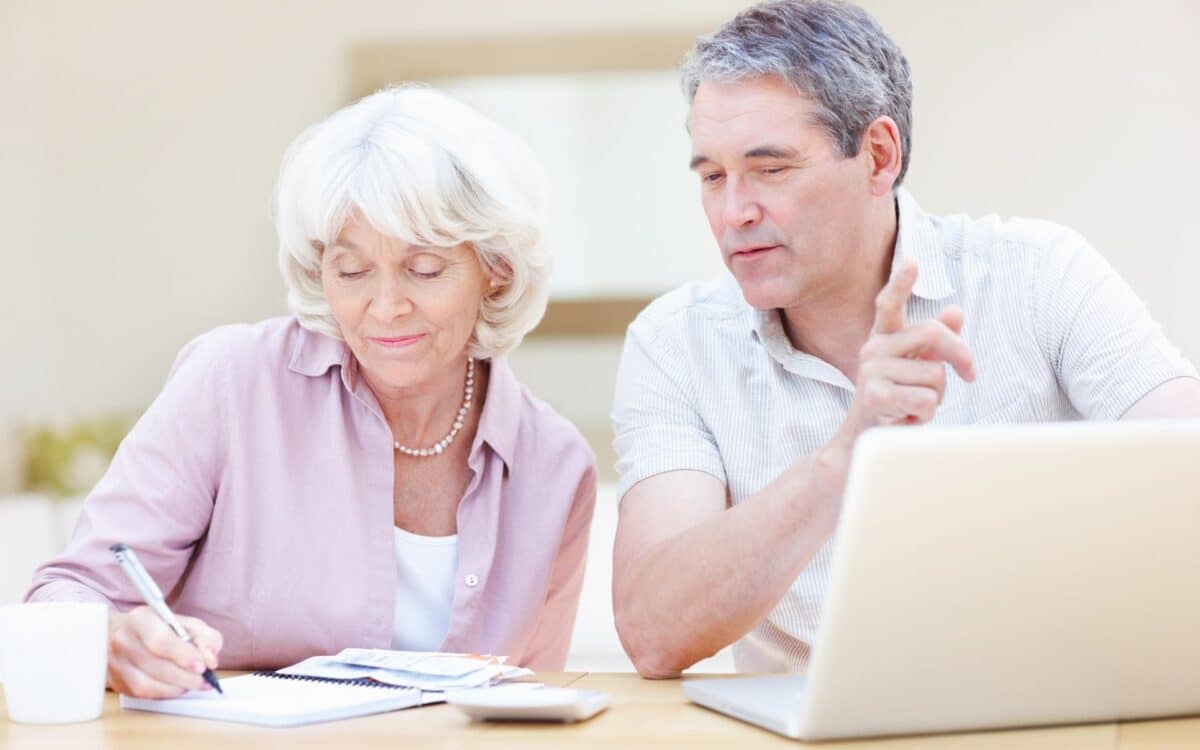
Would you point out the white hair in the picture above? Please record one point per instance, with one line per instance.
(429, 170)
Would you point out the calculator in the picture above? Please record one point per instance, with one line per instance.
(519, 703)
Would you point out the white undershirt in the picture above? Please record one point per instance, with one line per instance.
(424, 590)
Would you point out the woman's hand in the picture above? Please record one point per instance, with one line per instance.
(147, 660)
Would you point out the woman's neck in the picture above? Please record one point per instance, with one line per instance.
(422, 414)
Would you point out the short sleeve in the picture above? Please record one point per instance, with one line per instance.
(1106, 350)
(658, 426)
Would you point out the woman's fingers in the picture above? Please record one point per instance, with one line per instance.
(160, 640)
(208, 640)
(159, 657)
(127, 678)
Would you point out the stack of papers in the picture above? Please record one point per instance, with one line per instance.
(325, 688)
(424, 670)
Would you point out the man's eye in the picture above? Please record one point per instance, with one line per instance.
(711, 177)
(772, 170)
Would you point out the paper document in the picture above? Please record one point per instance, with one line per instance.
(429, 671)
(352, 683)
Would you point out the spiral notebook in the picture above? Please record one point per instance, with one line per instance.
(285, 700)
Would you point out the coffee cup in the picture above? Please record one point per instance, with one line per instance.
(53, 661)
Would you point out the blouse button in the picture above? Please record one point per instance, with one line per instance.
(471, 580)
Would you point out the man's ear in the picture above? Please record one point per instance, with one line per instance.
(881, 143)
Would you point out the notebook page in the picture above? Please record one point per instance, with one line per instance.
(269, 700)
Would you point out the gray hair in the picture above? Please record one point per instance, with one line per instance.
(421, 166)
(833, 52)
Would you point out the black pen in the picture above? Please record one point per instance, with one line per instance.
(153, 597)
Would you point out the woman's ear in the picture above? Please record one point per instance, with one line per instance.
(498, 275)
(319, 248)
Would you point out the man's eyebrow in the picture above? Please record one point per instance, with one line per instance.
(772, 152)
(758, 152)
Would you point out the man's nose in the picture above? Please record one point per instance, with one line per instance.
(741, 206)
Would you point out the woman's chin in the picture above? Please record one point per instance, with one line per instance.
(394, 373)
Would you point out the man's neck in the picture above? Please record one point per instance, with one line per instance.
(834, 324)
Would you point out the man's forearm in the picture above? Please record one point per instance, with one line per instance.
(690, 596)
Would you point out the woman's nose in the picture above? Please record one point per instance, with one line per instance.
(391, 300)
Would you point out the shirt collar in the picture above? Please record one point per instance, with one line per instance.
(501, 418)
(917, 238)
(314, 354)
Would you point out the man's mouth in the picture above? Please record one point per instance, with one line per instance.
(750, 253)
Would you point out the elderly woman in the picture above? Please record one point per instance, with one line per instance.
(368, 471)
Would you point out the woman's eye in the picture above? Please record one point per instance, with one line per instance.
(426, 269)
(348, 275)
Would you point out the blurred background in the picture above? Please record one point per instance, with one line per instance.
(140, 139)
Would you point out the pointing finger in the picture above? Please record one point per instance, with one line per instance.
(952, 317)
(892, 300)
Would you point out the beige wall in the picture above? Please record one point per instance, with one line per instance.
(1074, 111)
(140, 141)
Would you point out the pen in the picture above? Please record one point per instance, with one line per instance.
(153, 597)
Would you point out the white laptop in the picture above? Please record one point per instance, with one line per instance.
(989, 577)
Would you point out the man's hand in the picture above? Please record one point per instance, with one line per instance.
(901, 375)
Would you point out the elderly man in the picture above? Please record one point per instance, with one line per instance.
(739, 402)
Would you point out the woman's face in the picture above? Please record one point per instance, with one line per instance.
(406, 311)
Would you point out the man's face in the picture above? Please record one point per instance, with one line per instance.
(787, 209)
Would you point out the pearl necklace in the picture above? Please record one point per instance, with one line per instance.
(442, 444)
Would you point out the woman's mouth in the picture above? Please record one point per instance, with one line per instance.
(395, 342)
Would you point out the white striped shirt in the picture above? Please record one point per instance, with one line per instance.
(707, 383)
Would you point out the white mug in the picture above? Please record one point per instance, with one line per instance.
(53, 661)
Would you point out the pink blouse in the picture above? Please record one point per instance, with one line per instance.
(257, 491)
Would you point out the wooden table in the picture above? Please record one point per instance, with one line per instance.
(643, 714)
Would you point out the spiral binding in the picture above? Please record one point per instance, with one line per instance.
(361, 681)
